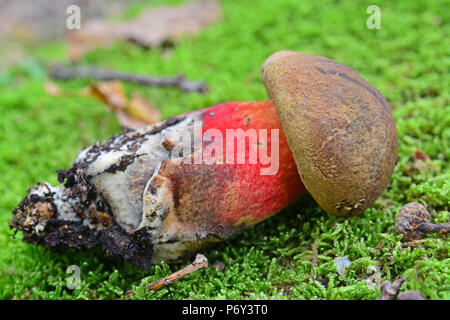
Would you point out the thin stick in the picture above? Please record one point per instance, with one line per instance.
(178, 81)
(390, 290)
(201, 262)
(441, 228)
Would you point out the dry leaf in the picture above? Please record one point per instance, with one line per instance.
(141, 109)
(111, 93)
(151, 28)
(421, 161)
(420, 155)
(133, 114)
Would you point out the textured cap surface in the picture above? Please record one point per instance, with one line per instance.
(339, 128)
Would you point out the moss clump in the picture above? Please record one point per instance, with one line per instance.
(290, 256)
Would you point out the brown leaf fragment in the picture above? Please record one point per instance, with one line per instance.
(111, 93)
(420, 161)
(420, 155)
(94, 34)
(134, 113)
(141, 109)
(151, 28)
(128, 122)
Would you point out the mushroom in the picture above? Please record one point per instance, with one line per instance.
(339, 128)
(151, 195)
(148, 196)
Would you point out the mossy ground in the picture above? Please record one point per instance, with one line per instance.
(408, 59)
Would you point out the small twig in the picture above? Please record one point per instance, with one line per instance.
(201, 262)
(178, 81)
(441, 228)
(389, 291)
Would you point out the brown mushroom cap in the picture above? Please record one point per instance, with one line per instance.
(339, 128)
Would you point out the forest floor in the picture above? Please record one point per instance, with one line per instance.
(291, 255)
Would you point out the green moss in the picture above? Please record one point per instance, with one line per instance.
(282, 257)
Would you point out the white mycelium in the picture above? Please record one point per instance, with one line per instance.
(123, 189)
